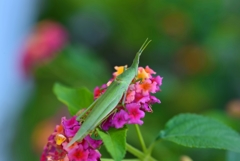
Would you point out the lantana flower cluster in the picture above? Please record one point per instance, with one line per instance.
(57, 149)
(138, 100)
(130, 110)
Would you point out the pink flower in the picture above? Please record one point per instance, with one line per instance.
(130, 93)
(52, 136)
(130, 96)
(93, 155)
(158, 80)
(69, 123)
(134, 113)
(120, 119)
(69, 148)
(57, 146)
(149, 70)
(107, 123)
(146, 107)
(95, 144)
(78, 154)
(70, 132)
(53, 151)
(142, 74)
(43, 44)
(84, 144)
(43, 157)
(154, 99)
(99, 91)
(139, 98)
(146, 86)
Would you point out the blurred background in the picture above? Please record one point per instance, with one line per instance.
(195, 47)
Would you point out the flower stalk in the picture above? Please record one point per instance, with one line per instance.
(141, 139)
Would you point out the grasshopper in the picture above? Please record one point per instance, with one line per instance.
(105, 104)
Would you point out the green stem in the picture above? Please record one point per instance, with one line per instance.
(106, 159)
(134, 151)
(150, 148)
(139, 154)
(141, 138)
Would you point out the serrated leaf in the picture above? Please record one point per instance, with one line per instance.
(115, 142)
(197, 131)
(75, 99)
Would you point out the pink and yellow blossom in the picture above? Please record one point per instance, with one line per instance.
(142, 74)
(146, 87)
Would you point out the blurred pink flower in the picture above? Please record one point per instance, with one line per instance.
(43, 44)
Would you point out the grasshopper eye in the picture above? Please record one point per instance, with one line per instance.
(59, 138)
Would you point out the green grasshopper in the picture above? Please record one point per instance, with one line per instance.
(105, 104)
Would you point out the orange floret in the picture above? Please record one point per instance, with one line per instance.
(142, 74)
(119, 70)
(59, 129)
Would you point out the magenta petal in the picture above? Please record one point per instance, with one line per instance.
(154, 99)
(99, 91)
(154, 88)
(95, 144)
(85, 144)
(130, 96)
(104, 86)
(52, 136)
(139, 98)
(69, 123)
(158, 80)
(78, 154)
(145, 107)
(53, 151)
(135, 114)
(119, 119)
(107, 123)
(93, 155)
(149, 70)
(43, 157)
(96, 92)
(71, 131)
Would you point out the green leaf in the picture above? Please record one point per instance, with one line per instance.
(75, 99)
(232, 156)
(200, 132)
(115, 142)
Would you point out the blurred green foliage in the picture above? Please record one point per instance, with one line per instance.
(195, 48)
